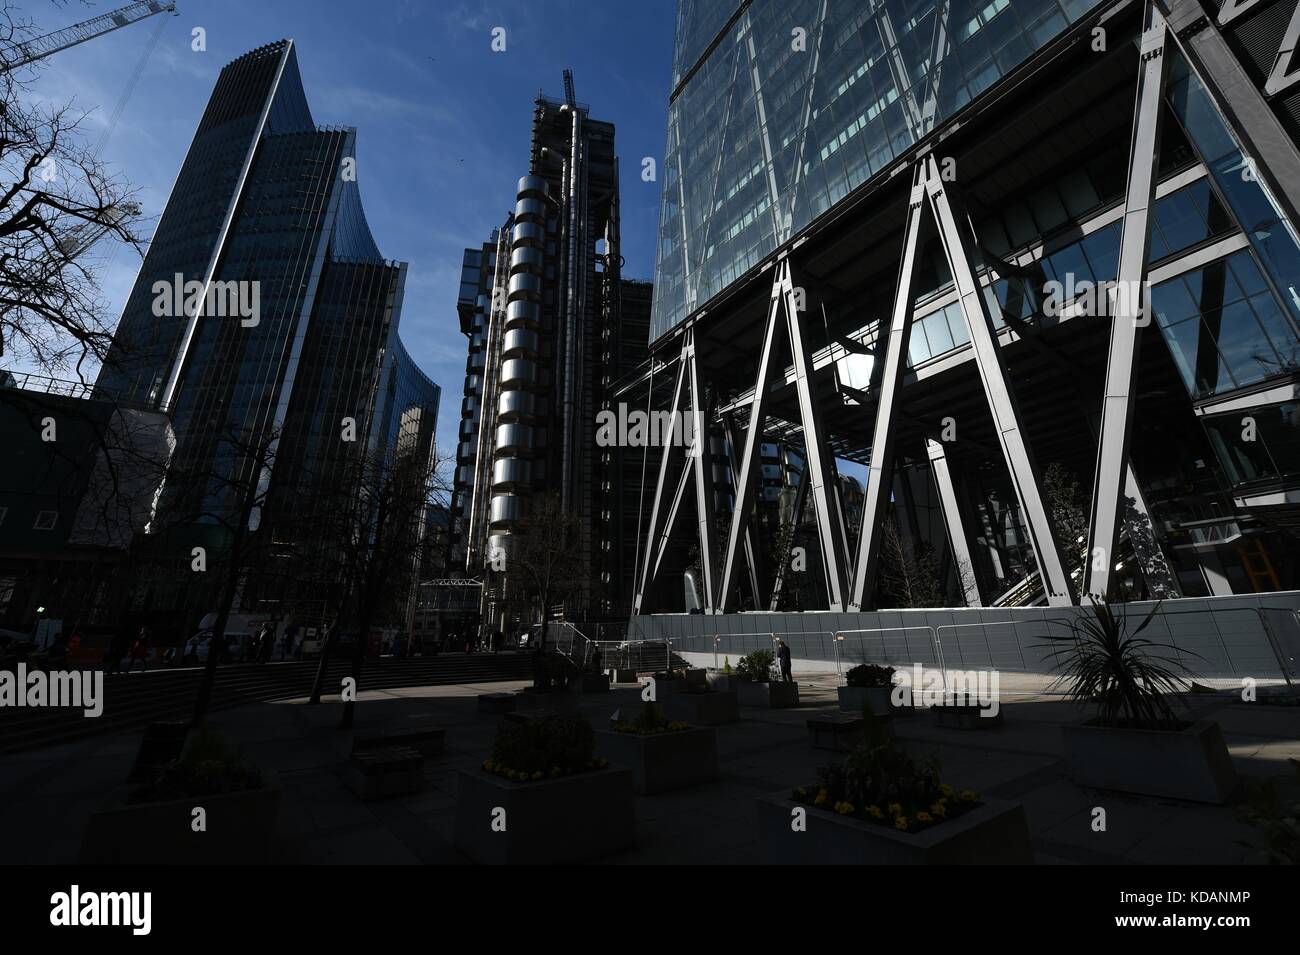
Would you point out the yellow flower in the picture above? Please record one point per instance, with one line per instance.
(895, 809)
(821, 797)
(924, 817)
(539, 775)
(800, 793)
(939, 809)
(876, 812)
(844, 808)
(556, 771)
(968, 795)
(945, 789)
(901, 823)
(487, 764)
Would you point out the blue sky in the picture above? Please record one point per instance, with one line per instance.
(442, 121)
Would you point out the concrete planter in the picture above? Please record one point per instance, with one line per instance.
(594, 683)
(624, 676)
(696, 679)
(717, 680)
(880, 698)
(994, 834)
(571, 819)
(240, 827)
(774, 695)
(1190, 764)
(703, 709)
(553, 701)
(666, 761)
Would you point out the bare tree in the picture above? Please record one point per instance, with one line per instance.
(543, 558)
(237, 496)
(368, 540)
(57, 199)
(908, 575)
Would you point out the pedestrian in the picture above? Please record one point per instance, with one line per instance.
(117, 649)
(266, 646)
(595, 658)
(783, 657)
(140, 651)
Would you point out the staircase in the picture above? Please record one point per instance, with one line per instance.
(134, 700)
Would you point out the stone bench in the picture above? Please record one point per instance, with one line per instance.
(426, 740)
(496, 702)
(840, 733)
(385, 771)
(973, 717)
(702, 709)
(563, 701)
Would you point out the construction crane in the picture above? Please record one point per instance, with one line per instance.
(569, 97)
(43, 46)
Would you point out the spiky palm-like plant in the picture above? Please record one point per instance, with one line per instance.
(1102, 663)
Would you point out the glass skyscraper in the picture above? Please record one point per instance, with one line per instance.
(780, 108)
(291, 362)
(897, 237)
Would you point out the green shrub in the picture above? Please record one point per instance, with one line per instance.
(756, 666)
(871, 675)
(726, 666)
(543, 745)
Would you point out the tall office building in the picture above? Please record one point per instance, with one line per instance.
(264, 319)
(1034, 264)
(551, 325)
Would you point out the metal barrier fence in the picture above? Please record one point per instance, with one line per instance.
(1218, 648)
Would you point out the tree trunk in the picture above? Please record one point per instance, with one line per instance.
(217, 643)
(363, 642)
(319, 683)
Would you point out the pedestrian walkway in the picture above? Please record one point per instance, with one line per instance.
(55, 789)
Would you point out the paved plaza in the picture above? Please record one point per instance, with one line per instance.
(321, 821)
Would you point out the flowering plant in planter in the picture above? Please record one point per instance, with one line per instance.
(757, 666)
(870, 675)
(208, 767)
(879, 783)
(650, 722)
(545, 748)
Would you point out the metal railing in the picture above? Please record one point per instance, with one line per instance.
(1262, 652)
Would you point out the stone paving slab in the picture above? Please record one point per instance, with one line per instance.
(321, 822)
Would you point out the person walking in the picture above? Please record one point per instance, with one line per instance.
(140, 651)
(117, 649)
(783, 657)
